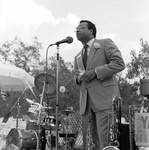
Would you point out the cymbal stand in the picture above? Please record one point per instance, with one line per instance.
(39, 115)
(49, 139)
(66, 131)
(18, 108)
(18, 114)
(67, 140)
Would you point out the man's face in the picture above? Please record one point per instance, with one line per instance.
(82, 32)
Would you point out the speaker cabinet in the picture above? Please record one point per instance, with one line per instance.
(144, 87)
(124, 138)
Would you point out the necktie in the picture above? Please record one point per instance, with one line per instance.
(85, 55)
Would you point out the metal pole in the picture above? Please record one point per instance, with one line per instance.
(130, 127)
(57, 102)
(18, 108)
(39, 117)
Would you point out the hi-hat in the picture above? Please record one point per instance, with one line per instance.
(50, 86)
(67, 112)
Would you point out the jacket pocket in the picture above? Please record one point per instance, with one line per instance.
(108, 82)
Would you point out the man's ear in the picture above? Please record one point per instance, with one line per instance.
(91, 31)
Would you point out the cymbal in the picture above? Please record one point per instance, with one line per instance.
(2, 93)
(30, 101)
(33, 103)
(67, 112)
(50, 87)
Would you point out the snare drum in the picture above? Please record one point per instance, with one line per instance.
(25, 139)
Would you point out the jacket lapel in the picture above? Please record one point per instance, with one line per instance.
(80, 61)
(91, 54)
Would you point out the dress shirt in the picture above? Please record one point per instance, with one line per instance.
(89, 46)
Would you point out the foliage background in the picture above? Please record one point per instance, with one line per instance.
(27, 57)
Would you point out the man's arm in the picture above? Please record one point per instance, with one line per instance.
(115, 62)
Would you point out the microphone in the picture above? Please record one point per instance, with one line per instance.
(68, 40)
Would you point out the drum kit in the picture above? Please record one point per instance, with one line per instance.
(69, 137)
(39, 133)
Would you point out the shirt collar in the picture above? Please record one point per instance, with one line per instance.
(89, 43)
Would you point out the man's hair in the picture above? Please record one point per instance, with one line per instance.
(90, 26)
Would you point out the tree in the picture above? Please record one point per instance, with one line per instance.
(139, 65)
(21, 54)
(129, 95)
(136, 69)
(5, 52)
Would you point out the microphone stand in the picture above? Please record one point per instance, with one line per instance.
(57, 102)
(57, 76)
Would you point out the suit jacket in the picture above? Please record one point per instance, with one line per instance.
(108, 61)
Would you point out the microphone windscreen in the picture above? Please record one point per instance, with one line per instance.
(70, 39)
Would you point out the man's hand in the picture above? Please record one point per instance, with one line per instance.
(79, 73)
(88, 75)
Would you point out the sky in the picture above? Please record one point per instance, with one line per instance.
(124, 21)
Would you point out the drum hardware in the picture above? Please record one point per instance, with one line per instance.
(39, 114)
(31, 125)
(33, 112)
(68, 140)
(68, 137)
(110, 148)
(17, 104)
(50, 139)
(46, 124)
(26, 139)
(46, 132)
(49, 123)
(50, 120)
(46, 84)
(39, 106)
(67, 112)
(34, 109)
